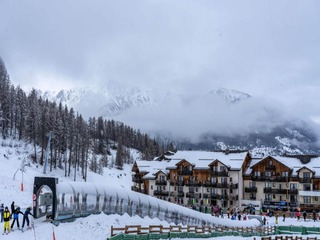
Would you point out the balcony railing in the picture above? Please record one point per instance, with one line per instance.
(250, 189)
(177, 183)
(222, 185)
(276, 190)
(305, 180)
(160, 193)
(161, 182)
(193, 183)
(219, 174)
(293, 191)
(270, 178)
(177, 194)
(193, 195)
(270, 167)
(185, 172)
(233, 185)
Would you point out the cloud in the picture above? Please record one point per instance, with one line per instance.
(269, 49)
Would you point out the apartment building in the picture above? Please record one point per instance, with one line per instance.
(231, 179)
(193, 178)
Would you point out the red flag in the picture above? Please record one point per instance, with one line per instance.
(53, 236)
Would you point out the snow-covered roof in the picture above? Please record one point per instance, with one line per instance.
(293, 163)
(202, 159)
(199, 159)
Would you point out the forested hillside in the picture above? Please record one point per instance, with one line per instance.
(76, 143)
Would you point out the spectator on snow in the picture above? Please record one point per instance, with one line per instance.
(264, 220)
(16, 217)
(298, 215)
(1, 211)
(314, 215)
(284, 217)
(6, 218)
(304, 215)
(26, 217)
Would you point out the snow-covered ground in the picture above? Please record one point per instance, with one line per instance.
(14, 155)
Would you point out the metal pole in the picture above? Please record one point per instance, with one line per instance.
(47, 152)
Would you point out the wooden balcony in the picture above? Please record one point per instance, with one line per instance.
(219, 174)
(270, 167)
(185, 172)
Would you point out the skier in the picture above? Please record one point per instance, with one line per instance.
(26, 217)
(16, 218)
(6, 217)
(1, 211)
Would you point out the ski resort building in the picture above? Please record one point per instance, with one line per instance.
(234, 179)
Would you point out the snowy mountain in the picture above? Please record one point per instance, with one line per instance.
(221, 117)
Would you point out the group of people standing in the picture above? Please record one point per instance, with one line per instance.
(6, 216)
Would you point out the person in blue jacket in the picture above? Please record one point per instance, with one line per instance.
(26, 217)
(16, 217)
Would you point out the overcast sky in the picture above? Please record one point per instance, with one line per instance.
(268, 49)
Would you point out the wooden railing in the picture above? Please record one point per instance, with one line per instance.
(138, 229)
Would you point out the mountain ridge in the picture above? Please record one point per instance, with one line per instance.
(115, 101)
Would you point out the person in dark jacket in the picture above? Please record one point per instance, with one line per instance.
(12, 207)
(305, 215)
(26, 217)
(16, 217)
(1, 211)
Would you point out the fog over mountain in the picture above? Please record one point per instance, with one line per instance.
(220, 118)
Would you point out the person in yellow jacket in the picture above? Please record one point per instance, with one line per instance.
(6, 218)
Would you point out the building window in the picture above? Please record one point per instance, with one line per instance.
(284, 174)
(231, 180)
(257, 174)
(267, 174)
(268, 184)
(306, 199)
(252, 184)
(151, 187)
(270, 162)
(306, 175)
(293, 186)
(268, 197)
(306, 187)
